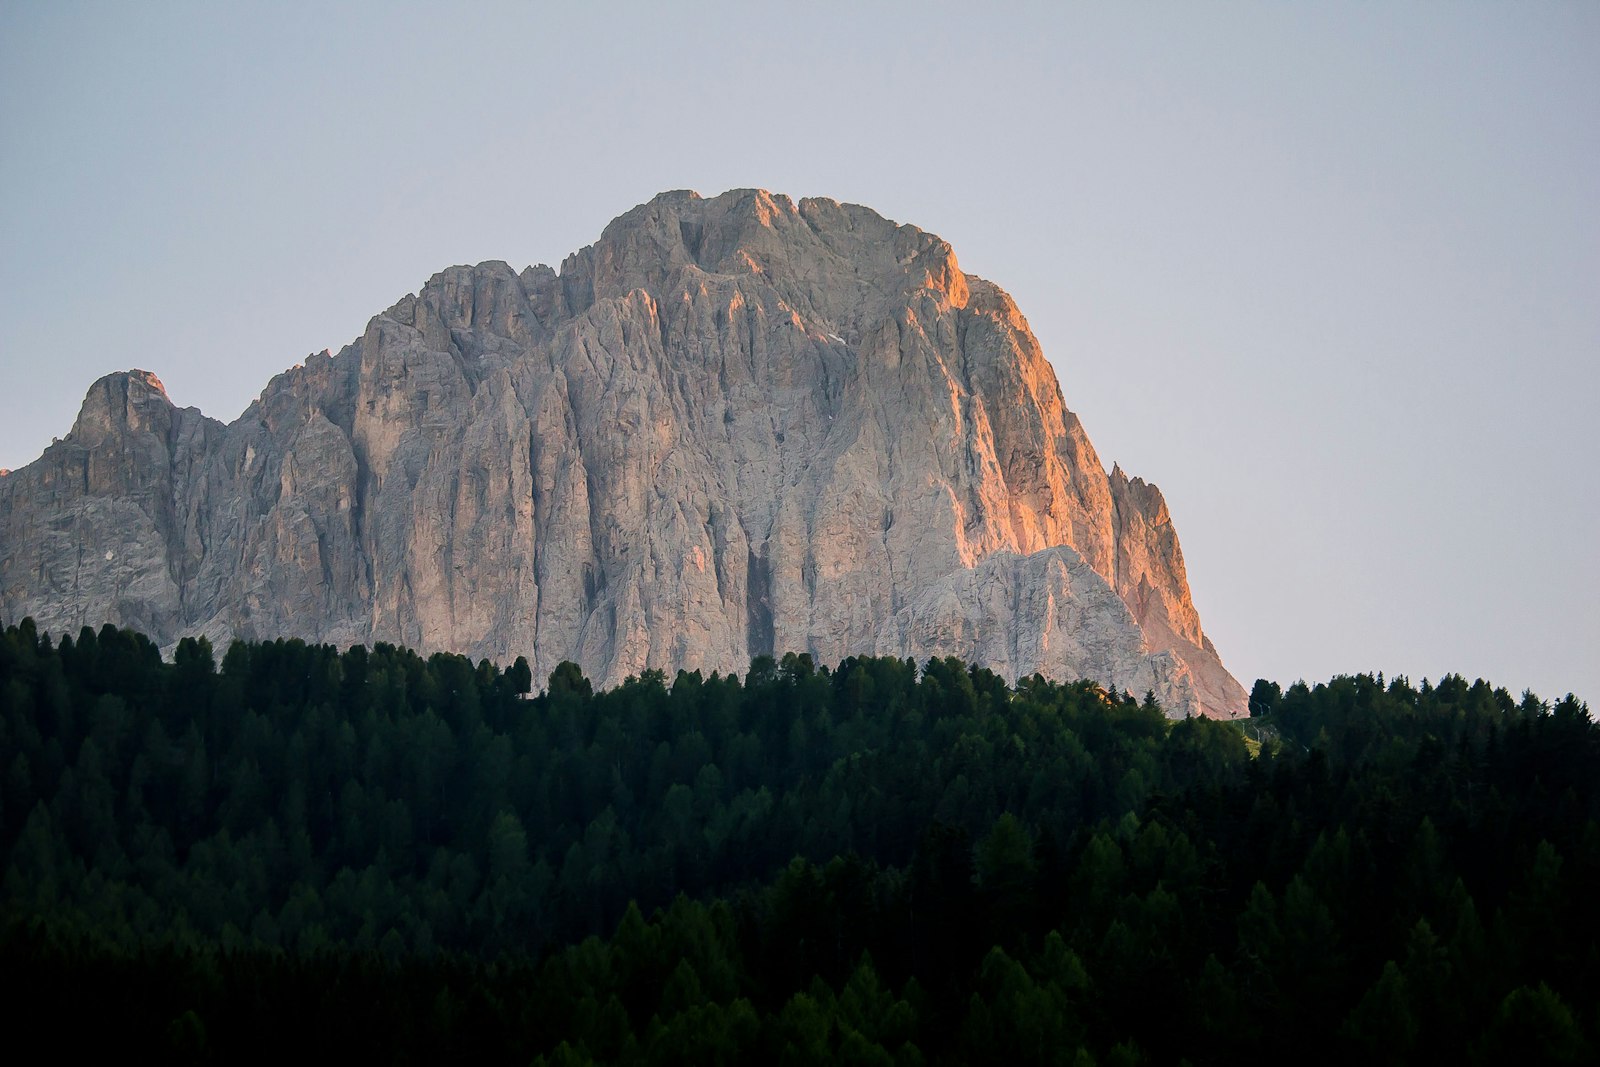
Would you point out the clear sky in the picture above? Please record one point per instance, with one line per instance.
(1329, 274)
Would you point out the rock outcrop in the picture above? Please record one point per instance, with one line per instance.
(730, 427)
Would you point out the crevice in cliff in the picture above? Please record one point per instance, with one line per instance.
(760, 632)
(693, 234)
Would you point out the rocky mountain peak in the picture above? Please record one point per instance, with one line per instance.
(732, 426)
(132, 401)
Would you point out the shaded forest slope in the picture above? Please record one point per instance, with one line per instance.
(414, 858)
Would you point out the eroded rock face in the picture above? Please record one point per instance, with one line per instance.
(730, 427)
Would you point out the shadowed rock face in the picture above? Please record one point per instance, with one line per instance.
(729, 427)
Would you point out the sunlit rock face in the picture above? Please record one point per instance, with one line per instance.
(729, 427)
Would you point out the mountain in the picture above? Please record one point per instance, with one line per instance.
(731, 426)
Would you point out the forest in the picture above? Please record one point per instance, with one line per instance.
(300, 851)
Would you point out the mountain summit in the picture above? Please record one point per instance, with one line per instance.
(731, 426)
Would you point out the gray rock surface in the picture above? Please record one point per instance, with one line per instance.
(729, 427)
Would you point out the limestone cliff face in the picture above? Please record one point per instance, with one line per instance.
(729, 427)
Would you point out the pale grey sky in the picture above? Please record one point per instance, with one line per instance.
(1329, 274)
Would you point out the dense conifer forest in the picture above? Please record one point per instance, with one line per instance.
(301, 851)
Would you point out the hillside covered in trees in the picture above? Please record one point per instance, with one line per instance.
(374, 854)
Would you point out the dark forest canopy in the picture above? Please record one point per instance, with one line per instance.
(410, 858)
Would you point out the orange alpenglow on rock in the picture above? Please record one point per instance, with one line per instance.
(730, 427)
